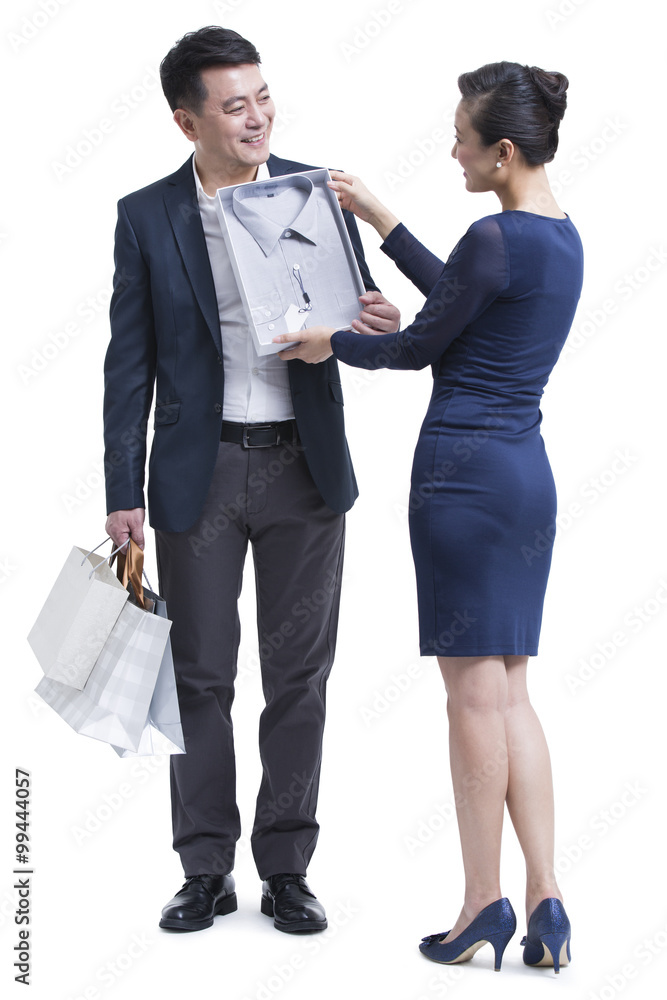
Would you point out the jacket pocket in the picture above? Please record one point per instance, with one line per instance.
(336, 391)
(166, 413)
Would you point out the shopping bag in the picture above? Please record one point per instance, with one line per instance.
(77, 618)
(162, 732)
(115, 702)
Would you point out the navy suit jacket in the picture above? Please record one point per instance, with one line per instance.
(165, 331)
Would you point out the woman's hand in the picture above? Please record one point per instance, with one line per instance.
(314, 346)
(354, 196)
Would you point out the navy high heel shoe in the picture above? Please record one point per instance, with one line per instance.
(548, 938)
(495, 925)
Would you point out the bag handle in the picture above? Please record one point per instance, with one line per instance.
(129, 568)
(121, 567)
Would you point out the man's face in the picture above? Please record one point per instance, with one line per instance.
(234, 123)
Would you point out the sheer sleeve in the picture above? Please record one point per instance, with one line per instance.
(474, 275)
(411, 257)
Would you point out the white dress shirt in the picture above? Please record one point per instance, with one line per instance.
(294, 254)
(256, 388)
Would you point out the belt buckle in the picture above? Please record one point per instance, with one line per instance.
(259, 427)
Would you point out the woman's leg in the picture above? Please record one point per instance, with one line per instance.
(530, 798)
(476, 708)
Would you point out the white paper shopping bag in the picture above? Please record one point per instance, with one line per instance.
(77, 618)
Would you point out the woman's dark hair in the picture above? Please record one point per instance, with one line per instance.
(180, 70)
(525, 104)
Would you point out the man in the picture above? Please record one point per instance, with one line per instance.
(246, 448)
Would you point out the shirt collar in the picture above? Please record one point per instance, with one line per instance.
(262, 175)
(265, 231)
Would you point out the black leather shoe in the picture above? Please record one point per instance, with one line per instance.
(294, 908)
(201, 898)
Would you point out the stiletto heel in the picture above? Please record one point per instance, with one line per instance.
(548, 939)
(499, 942)
(495, 924)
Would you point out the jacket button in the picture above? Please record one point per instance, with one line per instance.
(219, 360)
(218, 407)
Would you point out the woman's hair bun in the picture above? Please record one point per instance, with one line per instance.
(508, 100)
(553, 88)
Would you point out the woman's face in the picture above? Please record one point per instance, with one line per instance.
(478, 162)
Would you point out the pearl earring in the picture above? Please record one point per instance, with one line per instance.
(499, 164)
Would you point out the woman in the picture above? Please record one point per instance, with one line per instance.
(493, 324)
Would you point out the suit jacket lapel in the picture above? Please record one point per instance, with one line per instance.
(183, 210)
(278, 166)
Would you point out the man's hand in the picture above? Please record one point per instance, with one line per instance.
(314, 346)
(377, 316)
(121, 524)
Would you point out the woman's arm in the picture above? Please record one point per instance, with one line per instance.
(411, 257)
(417, 263)
(475, 274)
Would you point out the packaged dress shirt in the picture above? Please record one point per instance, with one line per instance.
(291, 255)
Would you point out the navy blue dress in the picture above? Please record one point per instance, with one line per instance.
(482, 505)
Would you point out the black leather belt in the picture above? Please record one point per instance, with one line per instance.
(259, 435)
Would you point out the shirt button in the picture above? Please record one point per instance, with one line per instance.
(287, 233)
(255, 371)
(218, 407)
(272, 326)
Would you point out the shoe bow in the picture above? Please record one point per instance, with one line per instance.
(430, 938)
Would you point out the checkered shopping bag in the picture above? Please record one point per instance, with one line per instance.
(162, 732)
(131, 689)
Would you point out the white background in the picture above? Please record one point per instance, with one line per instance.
(371, 97)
